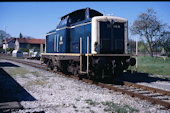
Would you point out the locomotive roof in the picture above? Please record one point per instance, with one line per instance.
(79, 12)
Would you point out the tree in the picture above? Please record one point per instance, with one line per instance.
(149, 28)
(20, 35)
(1, 38)
(141, 46)
(164, 41)
(132, 45)
(3, 35)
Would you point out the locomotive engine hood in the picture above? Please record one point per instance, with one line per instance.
(95, 31)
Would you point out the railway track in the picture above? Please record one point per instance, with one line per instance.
(153, 95)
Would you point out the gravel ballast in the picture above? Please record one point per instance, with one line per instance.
(55, 93)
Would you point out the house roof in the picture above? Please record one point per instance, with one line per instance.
(9, 39)
(31, 41)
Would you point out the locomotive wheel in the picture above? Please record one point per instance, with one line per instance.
(64, 66)
(91, 76)
(50, 65)
(74, 68)
(76, 71)
(98, 74)
(55, 69)
(118, 70)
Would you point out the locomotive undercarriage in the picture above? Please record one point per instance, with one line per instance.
(99, 67)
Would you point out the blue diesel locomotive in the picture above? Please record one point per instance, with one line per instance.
(87, 43)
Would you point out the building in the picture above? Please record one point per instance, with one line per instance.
(27, 43)
(9, 43)
(24, 43)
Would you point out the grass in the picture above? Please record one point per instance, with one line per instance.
(37, 82)
(91, 102)
(147, 64)
(35, 73)
(112, 107)
(21, 71)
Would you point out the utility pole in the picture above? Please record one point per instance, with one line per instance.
(5, 39)
(136, 53)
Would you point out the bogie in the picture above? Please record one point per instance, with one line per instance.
(100, 67)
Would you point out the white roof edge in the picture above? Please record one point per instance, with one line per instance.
(105, 18)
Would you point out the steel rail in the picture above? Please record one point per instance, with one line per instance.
(147, 88)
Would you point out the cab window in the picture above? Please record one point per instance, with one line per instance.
(63, 21)
(77, 18)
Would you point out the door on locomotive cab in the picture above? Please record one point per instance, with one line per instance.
(84, 34)
(75, 35)
(58, 43)
(61, 41)
(87, 33)
(111, 37)
(50, 43)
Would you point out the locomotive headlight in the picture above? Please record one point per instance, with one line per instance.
(128, 48)
(96, 46)
(112, 21)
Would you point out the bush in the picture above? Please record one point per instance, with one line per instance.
(10, 50)
(2, 50)
(24, 49)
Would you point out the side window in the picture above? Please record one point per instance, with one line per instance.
(63, 21)
(69, 21)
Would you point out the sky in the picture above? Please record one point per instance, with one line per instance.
(35, 19)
